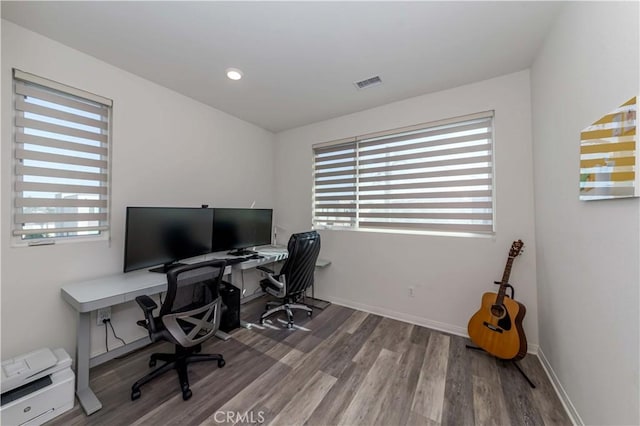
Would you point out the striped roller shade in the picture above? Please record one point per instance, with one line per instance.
(428, 177)
(609, 154)
(61, 160)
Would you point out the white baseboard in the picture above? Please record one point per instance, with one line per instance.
(562, 394)
(413, 319)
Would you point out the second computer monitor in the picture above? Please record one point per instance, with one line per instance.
(241, 228)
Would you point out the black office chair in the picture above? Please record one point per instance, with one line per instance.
(295, 277)
(189, 315)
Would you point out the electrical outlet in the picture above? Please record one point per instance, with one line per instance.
(412, 291)
(103, 314)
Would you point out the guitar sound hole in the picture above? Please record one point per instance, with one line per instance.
(497, 311)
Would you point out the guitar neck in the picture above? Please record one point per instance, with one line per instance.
(505, 280)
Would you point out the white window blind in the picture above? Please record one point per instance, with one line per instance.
(432, 177)
(61, 160)
(336, 185)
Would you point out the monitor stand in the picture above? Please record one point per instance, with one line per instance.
(166, 267)
(241, 252)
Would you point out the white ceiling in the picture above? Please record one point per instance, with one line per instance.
(299, 59)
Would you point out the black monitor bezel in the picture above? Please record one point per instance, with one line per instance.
(169, 261)
(239, 246)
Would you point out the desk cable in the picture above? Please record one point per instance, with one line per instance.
(106, 336)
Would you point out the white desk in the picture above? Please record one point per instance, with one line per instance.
(88, 296)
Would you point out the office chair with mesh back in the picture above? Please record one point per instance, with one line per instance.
(189, 315)
(295, 277)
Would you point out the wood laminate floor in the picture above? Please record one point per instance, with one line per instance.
(343, 367)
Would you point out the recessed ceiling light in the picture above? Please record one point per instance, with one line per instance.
(234, 73)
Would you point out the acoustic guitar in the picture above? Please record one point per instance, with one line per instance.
(497, 326)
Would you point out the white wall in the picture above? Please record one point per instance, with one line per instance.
(587, 252)
(374, 270)
(167, 150)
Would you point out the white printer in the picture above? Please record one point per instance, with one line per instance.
(36, 387)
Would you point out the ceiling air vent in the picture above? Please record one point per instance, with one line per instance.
(372, 81)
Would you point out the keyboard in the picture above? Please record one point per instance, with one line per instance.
(236, 260)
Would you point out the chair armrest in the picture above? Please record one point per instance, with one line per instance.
(278, 281)
(265, 269)
(148, 305)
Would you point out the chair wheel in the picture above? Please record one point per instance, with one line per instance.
(152, 363)
(309, 313)
(221, 363)
(186, 394)
(135, 394)
(261, 322)
(290, 325)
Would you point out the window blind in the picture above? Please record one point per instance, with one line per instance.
(432, 177)
(335, 186)
(61, 160)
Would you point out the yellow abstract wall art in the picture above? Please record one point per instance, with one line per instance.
(609, 155)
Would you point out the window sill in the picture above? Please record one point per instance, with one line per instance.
(18, 243)
(409, 232)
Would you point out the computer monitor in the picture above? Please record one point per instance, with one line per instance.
(164, 235)
(241, 228)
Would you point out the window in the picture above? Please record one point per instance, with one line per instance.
(61, 157)
(435, 177)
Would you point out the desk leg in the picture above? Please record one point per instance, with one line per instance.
(85, 395)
